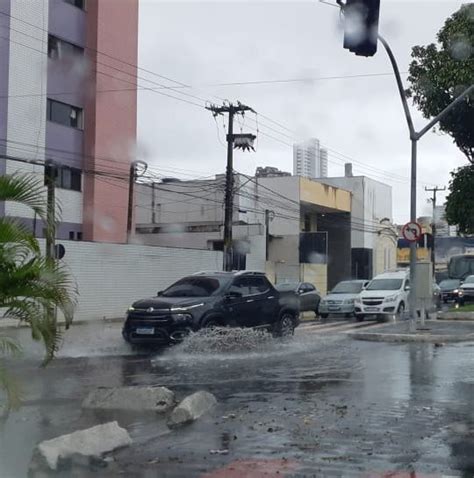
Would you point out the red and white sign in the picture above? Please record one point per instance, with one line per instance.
(412, 231)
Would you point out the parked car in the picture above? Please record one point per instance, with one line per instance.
(466, 290)
(450, 290)
(210, 299)
(386, 295)
(340, 300)
(309, 297)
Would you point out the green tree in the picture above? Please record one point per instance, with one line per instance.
(460, 201)
(439, 73)
(30, 285)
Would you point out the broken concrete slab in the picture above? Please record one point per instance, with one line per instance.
(88, 443)
(157, 399)
(191, 408)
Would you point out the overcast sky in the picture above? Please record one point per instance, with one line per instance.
(202, 44)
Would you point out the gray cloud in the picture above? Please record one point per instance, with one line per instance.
(201, 43)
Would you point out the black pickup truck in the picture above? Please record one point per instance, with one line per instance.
(211, 299)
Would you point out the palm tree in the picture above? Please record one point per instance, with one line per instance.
(30, 284)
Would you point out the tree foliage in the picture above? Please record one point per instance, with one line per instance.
(30, 285)
(439, 73)
(460, 202)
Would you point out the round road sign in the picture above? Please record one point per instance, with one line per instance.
(412, 231)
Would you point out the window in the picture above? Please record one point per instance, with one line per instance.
(249, 285)
(64, 114)
(258, 285)
(59, 49)
(71, 235)
(65, 177)
(79, 236)
(77, 3)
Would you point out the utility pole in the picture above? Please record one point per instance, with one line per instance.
(131, 192)
(50, 173)
(433, 225)
(245, 142)
(269, 215)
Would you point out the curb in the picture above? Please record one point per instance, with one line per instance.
(410, 338)
(456, 316)
(11, 324)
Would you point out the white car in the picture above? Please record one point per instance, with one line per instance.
(466, 290)
(386, 295)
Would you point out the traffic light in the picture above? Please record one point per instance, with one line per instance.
(361, 24)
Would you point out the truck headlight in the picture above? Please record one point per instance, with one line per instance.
(357, 300)
(181, 318)
(131, 309)
(391, 298)
(349, 301)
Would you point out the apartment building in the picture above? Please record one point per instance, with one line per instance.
(67, 96)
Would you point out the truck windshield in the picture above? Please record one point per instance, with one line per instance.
(385, 284)
(194, 287)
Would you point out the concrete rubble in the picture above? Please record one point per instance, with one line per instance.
(90, 444)
(191, 408)
(157, 399)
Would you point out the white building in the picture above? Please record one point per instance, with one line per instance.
(373, 238)
(310, 160)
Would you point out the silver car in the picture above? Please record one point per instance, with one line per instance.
(340, 300)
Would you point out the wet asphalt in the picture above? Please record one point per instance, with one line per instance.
(319, 405)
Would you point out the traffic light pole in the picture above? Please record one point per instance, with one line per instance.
(414, 137)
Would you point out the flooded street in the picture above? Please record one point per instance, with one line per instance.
(318, 405)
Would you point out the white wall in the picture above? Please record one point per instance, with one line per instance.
(287, 211)
(27, 76)
(111, 276)
(371, 202)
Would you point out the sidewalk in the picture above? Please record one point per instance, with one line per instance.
(434, 331)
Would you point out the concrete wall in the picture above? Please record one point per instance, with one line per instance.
(180, 202)
(287, 211)
(285, 249)
(111, 276)
(317, 275)
(314, 192)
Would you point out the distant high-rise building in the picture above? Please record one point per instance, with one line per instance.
(323, 163)
(310, 160)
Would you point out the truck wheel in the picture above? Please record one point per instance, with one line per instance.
(285, 327)
(210, 323)
(359, 317)
(324, 316)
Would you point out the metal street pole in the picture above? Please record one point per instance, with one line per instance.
(414, 137)
(412, 298)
